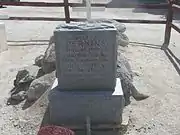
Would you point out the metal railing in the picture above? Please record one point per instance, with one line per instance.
(66, 6)
(169, 25)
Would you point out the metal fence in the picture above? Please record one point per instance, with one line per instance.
(169, 22)
(169, 25)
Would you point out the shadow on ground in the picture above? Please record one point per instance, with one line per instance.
(16, 94)
(173, 59)
(11, 101)
(171, 56)
(145, 45)
(26, 103)
(1, 7)
(46, 118)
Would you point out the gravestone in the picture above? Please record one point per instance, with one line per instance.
(86, 84)
(86, 56)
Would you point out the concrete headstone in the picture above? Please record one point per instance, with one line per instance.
(86, 55)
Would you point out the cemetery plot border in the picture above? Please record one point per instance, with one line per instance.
(171, 5)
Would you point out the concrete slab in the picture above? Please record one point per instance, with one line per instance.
(73, 107)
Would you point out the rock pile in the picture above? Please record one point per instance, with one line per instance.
(32, 81)
(121, 37)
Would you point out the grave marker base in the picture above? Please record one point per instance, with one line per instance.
(72, 107)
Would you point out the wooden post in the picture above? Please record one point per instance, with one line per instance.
(88, 125)
(168, 27)
(66, 11)
(88, 9)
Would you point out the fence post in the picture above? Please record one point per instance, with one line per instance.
(168, 26)
(66, 11)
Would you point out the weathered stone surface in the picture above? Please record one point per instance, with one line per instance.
(100, 106)
(86, 56)
(48, 62)
(121, 38)
(125, 73)
(20, 96)
(18, 93)
(26, 75)
(39, 86)
(20, 87)
(123, 69)
(39, 60)
(119, 26)
(123, 61)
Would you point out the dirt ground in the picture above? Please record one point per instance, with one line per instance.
(157, 76)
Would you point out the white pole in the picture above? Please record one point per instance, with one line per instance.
(88, 9)
(3, 39)
(88, 125)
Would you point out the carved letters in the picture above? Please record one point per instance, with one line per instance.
(85, 55)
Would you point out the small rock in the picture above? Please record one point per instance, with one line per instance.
(26, 75)
(40, 73)
(122, 39)
(18, 92)
(125, 74)
(41, 105)
(136, 73)
(38, 60)
(125, 118)
(49, 59)
(119, 26)
(121, 59)
(39, 86)
(16, 123)
(20, 96)
(10, 118)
